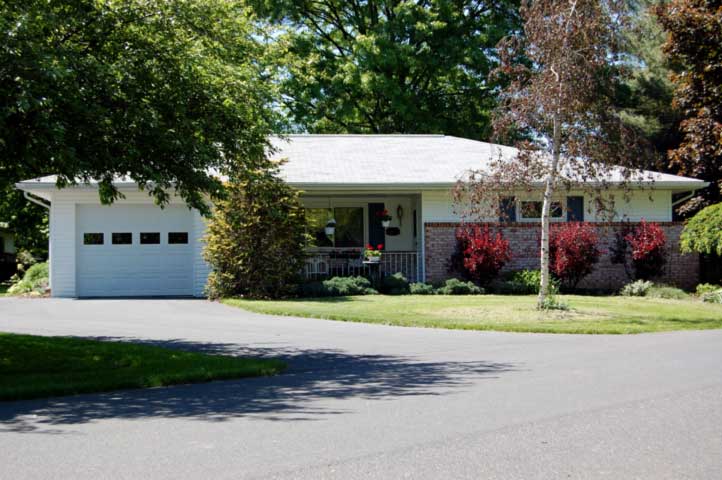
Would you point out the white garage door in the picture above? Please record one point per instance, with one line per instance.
(137, 250)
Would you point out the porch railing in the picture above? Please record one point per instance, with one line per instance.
(346, 264)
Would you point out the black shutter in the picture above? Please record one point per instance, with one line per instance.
(575, 209)
(377, 234)
(507, 209)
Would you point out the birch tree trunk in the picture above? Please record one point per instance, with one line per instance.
(546, 207)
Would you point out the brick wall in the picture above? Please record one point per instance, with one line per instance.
(681, 270)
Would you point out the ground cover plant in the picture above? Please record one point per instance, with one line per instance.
(34, 366)
(585, 314)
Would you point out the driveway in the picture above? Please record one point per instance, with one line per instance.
(369, 401)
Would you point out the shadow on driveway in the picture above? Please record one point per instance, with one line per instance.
(297, 395)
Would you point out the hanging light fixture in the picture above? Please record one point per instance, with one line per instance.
(330, 228)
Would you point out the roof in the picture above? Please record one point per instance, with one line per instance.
(388, 161)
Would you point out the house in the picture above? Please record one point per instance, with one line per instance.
(134, 248)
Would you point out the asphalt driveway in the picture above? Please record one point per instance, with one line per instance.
(370, 401)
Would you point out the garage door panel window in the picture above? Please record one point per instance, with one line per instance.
(122, 238)
(93, 239)
(150, 238)
(177, 238)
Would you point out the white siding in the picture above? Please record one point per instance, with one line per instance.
(201, 269)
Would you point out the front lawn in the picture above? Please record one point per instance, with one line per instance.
(503, 312)
(33, 366)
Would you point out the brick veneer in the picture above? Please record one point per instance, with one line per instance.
(681, 270)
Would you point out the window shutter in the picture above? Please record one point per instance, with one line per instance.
(575, 209)
(507, 209)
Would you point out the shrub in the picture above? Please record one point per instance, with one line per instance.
(522, 282)
(703, 232)
(665, 291)
(704, 288)
(573, 251)
(395, 284)
(480, 255)
(638, 288)
(256, 239)
(421, 289)
(338, 287)
(647, 246)
(35, 280)
(713, 297)
(454, 286)
(551, 302)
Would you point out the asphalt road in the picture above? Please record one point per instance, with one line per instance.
(369, 401)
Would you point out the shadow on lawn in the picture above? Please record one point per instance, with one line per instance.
(313, 376)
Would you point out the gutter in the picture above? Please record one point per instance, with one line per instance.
(37, 201)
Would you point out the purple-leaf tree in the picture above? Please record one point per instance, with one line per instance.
(558, 111)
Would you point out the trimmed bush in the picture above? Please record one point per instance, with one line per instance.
(638, 288)
(395, 284)
(421, 289)
(522, 282)
(35, 280)
(338, 287)
(454, 286)
(665, 291)
(704, 288)
(479, 255)
(573, 251)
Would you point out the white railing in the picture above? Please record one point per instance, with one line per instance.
(346, 263)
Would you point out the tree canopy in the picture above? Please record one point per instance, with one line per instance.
(389, 66)
(159, 90)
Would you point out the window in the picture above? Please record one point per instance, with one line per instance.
(349, 226)
(149, 238)
(93, 239)
(175, 238)
(532, 210)
(125, 238)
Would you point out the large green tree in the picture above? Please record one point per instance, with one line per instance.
(389, 66)
(694, 29)
(159, 90)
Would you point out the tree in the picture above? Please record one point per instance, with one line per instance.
(647, 248)
(256, 238)
(694, 36)
(389, 66)
(563, 76)
(158, 90)
(480, 254)
(703, 232)
(573, 251)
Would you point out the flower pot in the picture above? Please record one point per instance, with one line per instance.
(329, 231)
(373, 259)
(385, 223)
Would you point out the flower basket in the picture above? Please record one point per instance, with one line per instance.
(385, 223)
(373, 255)
(384, 217)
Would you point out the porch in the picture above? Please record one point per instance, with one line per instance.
(357, 223)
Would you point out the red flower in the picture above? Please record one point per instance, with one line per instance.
(369, 246)
(380, 246)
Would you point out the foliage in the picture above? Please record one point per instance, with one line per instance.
(647, 246)
(256, 238)
(694, 36)
(338, 287)
(573, 251)
(713, 297)
(560, 106)
(522, 282)
(665, 291)
(384, 66)
(703, 232)
(454, 286)
(370, 251)
(480, 254)
(553, 303)
(27, 221)
(419, 288)
(704, 288)
(35, 281)
(395, 284)
(35, 366)
(637, 288)
(158, 90)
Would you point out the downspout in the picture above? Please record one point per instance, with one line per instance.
(683, 199)
(37, 201)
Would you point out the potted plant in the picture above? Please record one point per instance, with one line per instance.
(384, 217)
(372, 254)
(330, 228)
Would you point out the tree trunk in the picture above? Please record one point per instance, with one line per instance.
(546, 207)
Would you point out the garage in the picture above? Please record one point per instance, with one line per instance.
(133, 250)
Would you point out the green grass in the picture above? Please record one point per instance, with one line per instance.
(33, 366)
(4, 289)
(503, 312)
